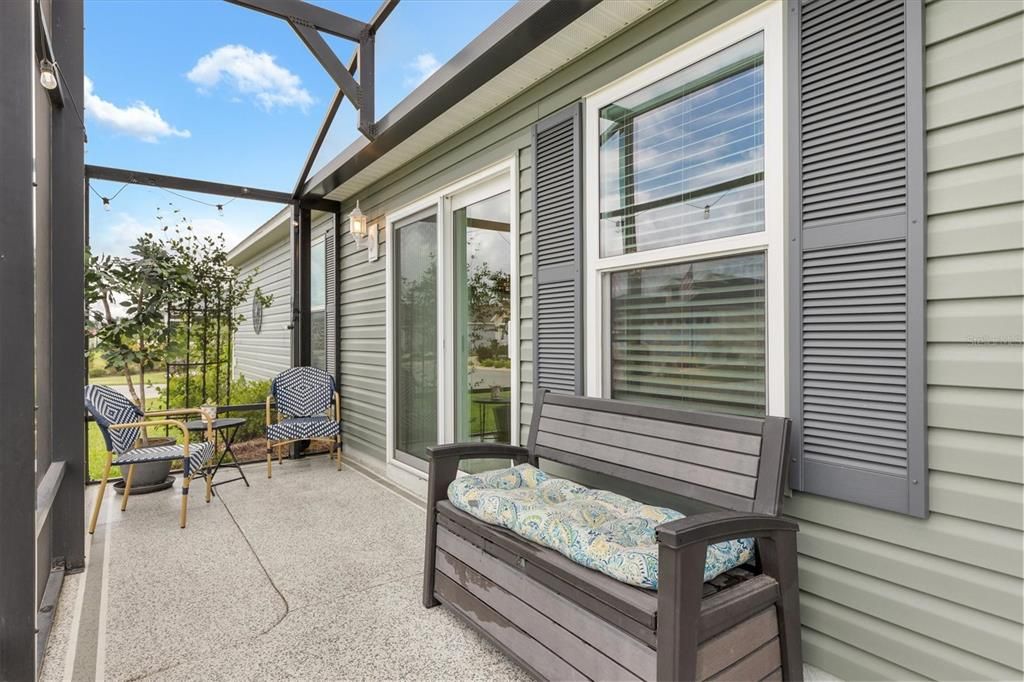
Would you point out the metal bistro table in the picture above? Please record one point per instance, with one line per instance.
(229, 426)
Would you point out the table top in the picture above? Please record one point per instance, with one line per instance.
(219, 423)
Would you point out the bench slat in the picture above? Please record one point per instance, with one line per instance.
(570, 632)
(721, 439)
(714, 479)
(757, 665)
(736, 643)
(529, 652)
(702, 455)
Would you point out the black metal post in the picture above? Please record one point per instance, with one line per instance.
(17, 346)
(67, 290)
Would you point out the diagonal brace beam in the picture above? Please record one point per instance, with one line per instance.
(309, 15)
(325, 55)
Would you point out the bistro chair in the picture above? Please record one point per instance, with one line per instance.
(308, 408)
(122, 424)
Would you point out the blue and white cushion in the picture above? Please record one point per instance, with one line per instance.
(108, 407)
(303, 391)
(595, 528)
(198, 455)
(298, 428)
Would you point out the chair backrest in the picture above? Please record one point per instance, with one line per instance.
(108, 407)
(303, 391)
(732, 462)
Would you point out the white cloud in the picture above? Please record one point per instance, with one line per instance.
(423, 66)
(137, 120)
(116, 236)
(252, 73)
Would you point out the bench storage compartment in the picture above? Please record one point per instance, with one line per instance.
(561, 620)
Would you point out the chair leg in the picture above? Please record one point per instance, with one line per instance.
(209, 486)
(99, 497)
(127, 486)
(337, 449)
(269, 460)
(185, 480)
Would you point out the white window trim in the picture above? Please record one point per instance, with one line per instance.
(768, 19)
(438, 200)
(322, 239)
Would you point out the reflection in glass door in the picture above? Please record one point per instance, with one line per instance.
(482, 259)
(415, 339)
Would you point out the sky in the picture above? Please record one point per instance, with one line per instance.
(209, 90)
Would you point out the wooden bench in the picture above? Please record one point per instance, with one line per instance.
(560, 620)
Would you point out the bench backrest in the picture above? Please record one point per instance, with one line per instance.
(736, 463)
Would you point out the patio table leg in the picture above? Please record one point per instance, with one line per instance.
(209, 486)
(127, 486)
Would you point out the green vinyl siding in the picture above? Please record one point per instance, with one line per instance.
(884, 596)
(892, 597)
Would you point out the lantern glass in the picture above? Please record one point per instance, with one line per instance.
(357, 223)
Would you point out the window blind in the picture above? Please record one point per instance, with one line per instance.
(691, 335)
(682, 160)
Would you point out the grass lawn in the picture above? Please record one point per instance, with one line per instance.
(118, 380)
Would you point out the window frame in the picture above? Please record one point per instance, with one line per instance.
(767, 19)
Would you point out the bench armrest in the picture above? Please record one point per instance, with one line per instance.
(713, 527)
(461, 451)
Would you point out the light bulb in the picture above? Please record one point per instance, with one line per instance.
(47, 74)
(707, 211)
(220, 210)
(106, 204)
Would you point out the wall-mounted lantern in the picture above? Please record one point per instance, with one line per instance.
(362, 232)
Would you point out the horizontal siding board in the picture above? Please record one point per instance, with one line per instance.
(976, 320)
(988, 47)
(980, 499)
(984, 364)
(264, 355)
(993, 593)
(948, 19)
(927, 657)
(993, 638)
(970, 542)
(848, 662)
(976, 141)
(976, 409)
(976, 275)
(1001, 89)
(984, 184)
(984, 455)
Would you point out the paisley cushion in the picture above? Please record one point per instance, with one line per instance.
(595, 528)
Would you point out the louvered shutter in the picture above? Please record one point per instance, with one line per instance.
(557, 252)
(331, 256)
(859, 337)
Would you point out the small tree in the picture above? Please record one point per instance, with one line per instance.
(127, 299)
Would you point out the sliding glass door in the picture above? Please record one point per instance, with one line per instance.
(414, 250)
(482, 264)
(451, 280)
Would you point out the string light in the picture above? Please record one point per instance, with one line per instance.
(108, 200)
(47, 77)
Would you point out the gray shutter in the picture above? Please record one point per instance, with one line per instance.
(859, 304)
(557, 252)
(331, 256)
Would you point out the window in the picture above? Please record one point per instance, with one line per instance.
(684, 227)
(318, 305)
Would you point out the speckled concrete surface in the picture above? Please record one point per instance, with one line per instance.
(312, 575)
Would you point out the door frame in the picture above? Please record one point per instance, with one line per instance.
(440, 200)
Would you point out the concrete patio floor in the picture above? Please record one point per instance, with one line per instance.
(314, 574)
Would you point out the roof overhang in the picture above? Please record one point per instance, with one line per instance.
(517, 33)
